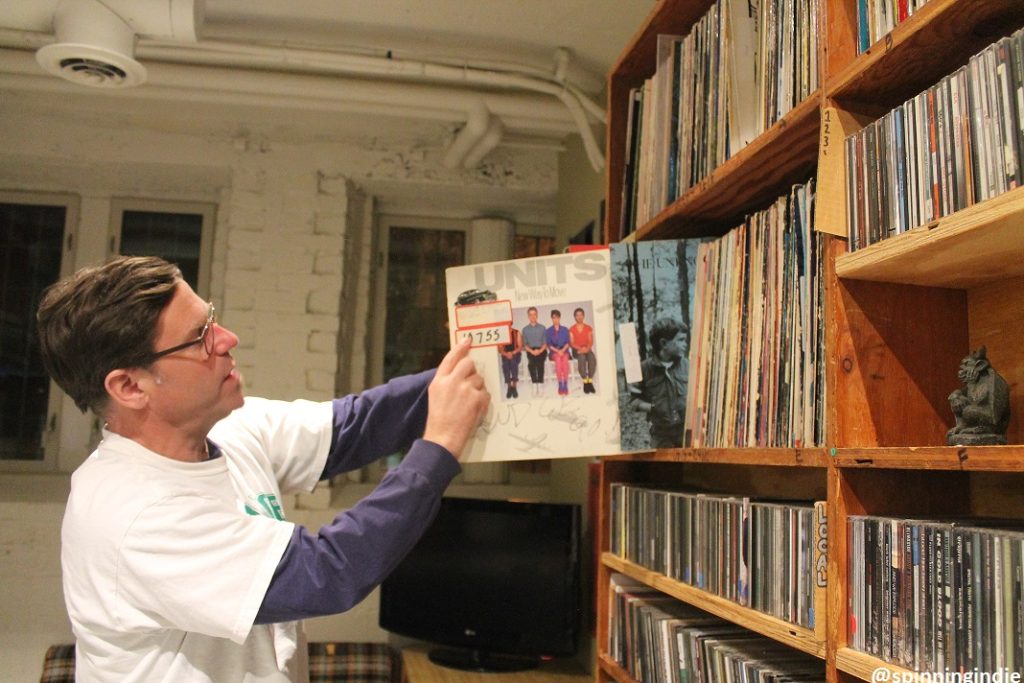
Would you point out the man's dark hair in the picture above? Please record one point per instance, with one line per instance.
(555, 311)
(103, 318)
(578, 310)
(663, 330)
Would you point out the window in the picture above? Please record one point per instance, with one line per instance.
(34, 233)
(531, 245)
(415, 329)
(180, 232)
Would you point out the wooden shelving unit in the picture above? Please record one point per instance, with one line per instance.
(797, 637)
(900, 316)
(952, 458)
(864, 666)
(980, 244)
(786, 153)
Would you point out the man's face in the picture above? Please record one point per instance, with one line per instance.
(193, 388)
(532, 315)
(555, 319)
(672, 349)
(579, 316)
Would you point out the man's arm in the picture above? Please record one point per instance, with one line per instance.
(333, 570)
(338, 567)
(377, 422)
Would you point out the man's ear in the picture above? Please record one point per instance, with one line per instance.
(126, 388)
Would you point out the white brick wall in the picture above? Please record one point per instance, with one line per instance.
(292, 267)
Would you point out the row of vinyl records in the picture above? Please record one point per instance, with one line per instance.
(751, 307)
(875, 18)
(957, 143)
(657, 639)
(756, 372)
(937, 595)
(742, 66)
(767, 556)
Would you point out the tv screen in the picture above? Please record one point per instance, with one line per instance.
(495, 578)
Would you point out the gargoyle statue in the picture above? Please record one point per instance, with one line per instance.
(982, 406)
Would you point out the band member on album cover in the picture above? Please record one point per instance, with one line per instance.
(511, 355)
(581, 338)
(535, 345)
(558, 347)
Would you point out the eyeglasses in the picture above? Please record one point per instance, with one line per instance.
(206, 338)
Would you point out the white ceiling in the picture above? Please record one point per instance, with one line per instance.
(518, 31)
(512, 36)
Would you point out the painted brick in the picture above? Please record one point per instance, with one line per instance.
(321, 383)
(326, 301)
(329, 223)
(322, 342)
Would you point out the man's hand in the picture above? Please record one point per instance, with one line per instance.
(457, 401)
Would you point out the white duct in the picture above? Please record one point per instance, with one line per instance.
(488, 141)
(477, 121)
(231, 54)
(179, 84)
(95, 41)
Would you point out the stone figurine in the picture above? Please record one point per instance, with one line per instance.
(982, 406)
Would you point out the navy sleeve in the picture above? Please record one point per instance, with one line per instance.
(377, 422)
(335, 569)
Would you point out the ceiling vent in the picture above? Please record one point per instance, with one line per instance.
(96, 40)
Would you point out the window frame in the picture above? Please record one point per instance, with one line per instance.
(55, 400)
(118, 206)
(385, 222)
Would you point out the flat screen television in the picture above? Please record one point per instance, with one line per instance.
(495, 582)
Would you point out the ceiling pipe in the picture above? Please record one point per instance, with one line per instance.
(478, 118)
(230, 54)
(303, 91)
(487, 142)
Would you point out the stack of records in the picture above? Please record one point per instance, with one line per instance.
(937, 595)
(957, 143)
(756, 359)
(757, 554)
(657, 639)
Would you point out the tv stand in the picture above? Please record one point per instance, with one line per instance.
(481, 661)
(417, 668)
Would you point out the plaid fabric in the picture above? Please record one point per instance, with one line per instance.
(354, 662)
(59, 664)
(328, 663)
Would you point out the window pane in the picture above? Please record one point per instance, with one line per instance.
(175, 237)
(416, 332)
(30, 251)
(529, 245)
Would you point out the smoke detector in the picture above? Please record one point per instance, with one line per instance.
(96, 40)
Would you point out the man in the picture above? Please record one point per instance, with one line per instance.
(178, 564)
(557, 340)
(511, 354)
(534, 342)
(581, 337)
(661, 394)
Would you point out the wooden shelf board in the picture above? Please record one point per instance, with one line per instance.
(979, 244)
(939, 38)
(780, 457)
(862, 665)
(966, 458)
(613, 669)
(792, 635)
(673, 17)
(762, 171)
